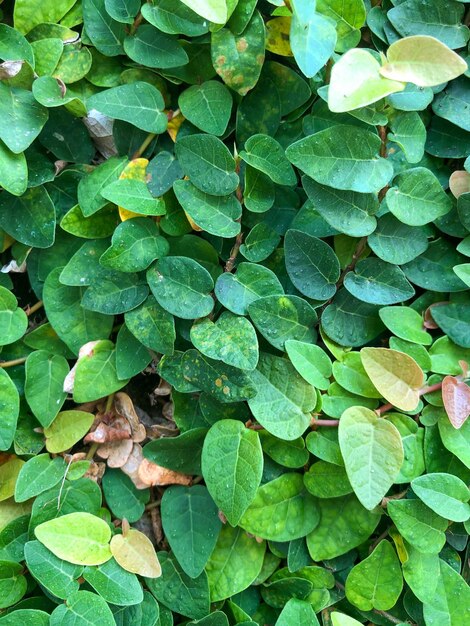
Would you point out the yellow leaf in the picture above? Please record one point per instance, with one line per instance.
(395, 375)
(135, 553)
(8, 474)
(459, 183)
(192, 223)
(6, 242)
(174, 125)
(277, 36)
(135, 170)
(10, 510)
(399, 544)
(66, 429)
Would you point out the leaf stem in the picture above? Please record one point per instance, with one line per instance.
(314, 423)
(29, 310)
(144, 145)
(361, 244)
(234, 253)
(14, 362)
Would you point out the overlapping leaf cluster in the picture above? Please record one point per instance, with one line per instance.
(234, 312)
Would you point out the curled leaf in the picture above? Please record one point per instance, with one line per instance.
(456, 397)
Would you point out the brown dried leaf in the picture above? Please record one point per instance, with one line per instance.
(125, 407)
(163, 389)
(153, 474)
(456, 396)
(9, 69)
(131, 467)
(95, 471)
(459, 182)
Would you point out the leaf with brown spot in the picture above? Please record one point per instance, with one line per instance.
(456, 396)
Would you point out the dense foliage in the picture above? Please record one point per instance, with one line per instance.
(234, 312)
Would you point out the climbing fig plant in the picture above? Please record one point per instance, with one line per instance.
(234, 312)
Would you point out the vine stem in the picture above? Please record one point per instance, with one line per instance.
(151, 136)
(29, 310)
(14, 362)
(234, 253)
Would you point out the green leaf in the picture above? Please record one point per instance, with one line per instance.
(417, 197)
(409, 132)
(372, 450)
(207, 106)
(356, 82)
(406, 323)
(250, 282)
(152, 48)
(395, 242)
(175, 18)
(312, 37)
(13, 584)
(326, 480)
(350, 322)
(56, 575)
(96, 376)
(376, 582)
(25, 116)
(311, 361)
(266, 155)
(311, 264)
(292, 454)
(217, 215)
(378, 282)
(13, 170)
(13, 46)
(276, 501)
(434, 19)
(232, 465)
(413, 60)
(418, 525)
(455, 440)
(78, 608)
(114, 584)
(208, 163)
(224, 382)
(434, 268)
(67, 429)
(30, 218)
(280, 318)
(28, 14)
(104, 32)
(351, 375)
(452, 103)
(44, 385)
(179, 592)
(453, 320)
(343, 157)
(122, 102)
(339, 619)
(133, 195)
(284, 400)
(122, 497)
(344, 524)
(451, 597)
(13, 320)
(238, 59)
(181, 286)
(234, 564)
(181, 453)
(136, 243)
(20, 616)
(260, 243)
(122, 10)
(78, 538)
(131, 356)
(349, 212)
(115, 294)
(396, 376)
(445, 494)
(191, 524)
(231, 339)
(98, 226)
(38, 474)
(297, 612)
(152, 326)
(90, 186)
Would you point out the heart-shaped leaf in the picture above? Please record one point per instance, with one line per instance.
(372, 450)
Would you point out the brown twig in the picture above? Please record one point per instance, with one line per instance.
(423, 391)
(314, 422)
(234, 253)
(156, 519)
(361, 244)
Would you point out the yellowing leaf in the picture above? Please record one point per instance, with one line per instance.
(395, 375)
(79, 538)
(6, 242)
(174, 125)
(356, 82)
(134, 170)
(67, 428)
(277, 36)
(422, 60)
(8, 474)
(135, 553)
